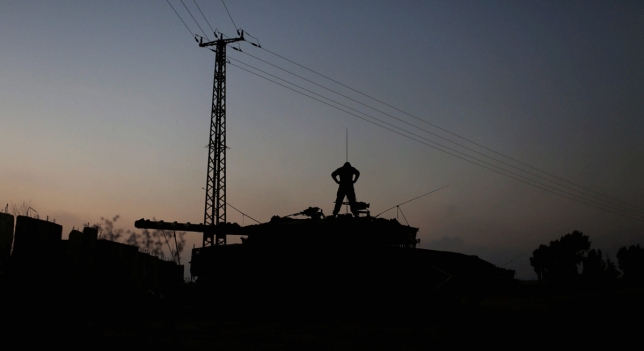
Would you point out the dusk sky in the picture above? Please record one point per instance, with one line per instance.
(105, 110)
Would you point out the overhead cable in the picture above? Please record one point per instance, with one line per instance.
(204, 16)
(193, 18)
(610, 205)
(499, 170)
(447, 131)
(231, 17)
(184, 23)
(431, 133)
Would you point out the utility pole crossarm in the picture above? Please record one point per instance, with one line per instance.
(221, 41)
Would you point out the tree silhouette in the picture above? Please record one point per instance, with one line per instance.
(596, 269)
(153, 241)
(148, 241)
(594, 264)
(24, 209)
(107, 231)
(559, 260)
(540, 261)
(611, 271)
(631, 262)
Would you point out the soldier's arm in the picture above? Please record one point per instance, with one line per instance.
(334, 175)
(357, 173)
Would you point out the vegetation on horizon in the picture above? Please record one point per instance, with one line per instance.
(559, 261)
(23, 209)
(148, 241)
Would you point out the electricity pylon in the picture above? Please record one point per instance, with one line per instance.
(215, 208)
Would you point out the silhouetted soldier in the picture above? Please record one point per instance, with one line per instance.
(345, 173)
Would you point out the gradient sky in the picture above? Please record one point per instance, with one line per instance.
(105, 110)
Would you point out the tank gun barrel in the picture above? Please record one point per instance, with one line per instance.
(228, 228)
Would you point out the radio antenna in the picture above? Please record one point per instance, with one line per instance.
(347, 145)
(346, 207)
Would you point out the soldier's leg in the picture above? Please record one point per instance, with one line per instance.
(338, 201)
(351, 196)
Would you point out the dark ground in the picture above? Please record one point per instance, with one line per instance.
(535, 318)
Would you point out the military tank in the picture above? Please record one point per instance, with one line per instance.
(339, 263)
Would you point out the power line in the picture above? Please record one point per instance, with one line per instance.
(512, 260)
(431, 133)
(204, 17)
(193, 18)
(447, 131)
(231, 17)
(502, 171)
(609, 205)
(184, 23)
(510, 165)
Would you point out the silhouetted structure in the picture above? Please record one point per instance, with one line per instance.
(215, 208)
(344, 262)
(6, 239)
(37, 249)
(85, 265)
(346, 180)
(335, 263)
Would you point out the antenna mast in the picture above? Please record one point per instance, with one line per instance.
(346, 207)
(215, 208)
(347, 145)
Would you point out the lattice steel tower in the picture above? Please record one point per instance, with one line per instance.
(215, 209)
